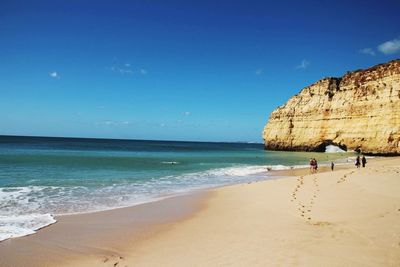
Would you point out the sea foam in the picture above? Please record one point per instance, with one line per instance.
(334, 149)
(22, 225)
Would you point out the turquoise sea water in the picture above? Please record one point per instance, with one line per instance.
(41, 177)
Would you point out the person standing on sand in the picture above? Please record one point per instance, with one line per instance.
(364, 161)
(332, 165)
(315, 165)
(358, 162)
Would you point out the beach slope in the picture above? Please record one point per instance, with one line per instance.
(349, 217)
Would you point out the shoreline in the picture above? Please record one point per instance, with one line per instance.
(197, 199)
(269, 172)
(108, 235)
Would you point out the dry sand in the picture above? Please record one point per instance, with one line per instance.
(349, 217)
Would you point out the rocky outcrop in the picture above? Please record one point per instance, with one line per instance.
(360, 111)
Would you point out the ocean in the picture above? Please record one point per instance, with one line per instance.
(41, 177)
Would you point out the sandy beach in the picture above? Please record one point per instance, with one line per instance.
(199, 133)
(349, 217)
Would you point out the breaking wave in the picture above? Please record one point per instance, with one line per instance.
(24, 210)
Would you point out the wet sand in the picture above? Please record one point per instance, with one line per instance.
(97, 235)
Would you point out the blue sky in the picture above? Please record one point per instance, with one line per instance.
(176, 70)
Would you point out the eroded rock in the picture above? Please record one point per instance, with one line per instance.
(359, 111)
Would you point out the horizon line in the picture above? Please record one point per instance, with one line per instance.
(127, 139)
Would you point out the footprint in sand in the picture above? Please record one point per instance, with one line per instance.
(343, 179)
(322, 223)
(113, 260)
(296, 189)
(303, 208)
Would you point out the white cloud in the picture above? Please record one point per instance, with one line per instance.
(112, 123)
(54, 74)
(390, 47)
(127, 69)
(186, 113)
(259, 71)
(367, 51)
(304, 64)
(122, 70)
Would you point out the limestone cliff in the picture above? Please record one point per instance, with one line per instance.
(359, 111)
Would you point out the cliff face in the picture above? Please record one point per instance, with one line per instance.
(360, 111)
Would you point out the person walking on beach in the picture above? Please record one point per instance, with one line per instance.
(332, 165)
(364, 161)
(311, 165)
(358, 162)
